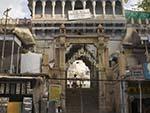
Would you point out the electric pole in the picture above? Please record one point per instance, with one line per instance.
(4, 40)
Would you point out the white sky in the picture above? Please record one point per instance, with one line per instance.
(20, 7)
(132, 4)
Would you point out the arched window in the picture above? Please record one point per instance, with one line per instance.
(67, 6)
(48, 7)
(118, 7)
(78, 5)
(109, 9)
(58, 7)
(89, 6)
(99, 8)
(38, 7)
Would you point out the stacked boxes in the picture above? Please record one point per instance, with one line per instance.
(27, 105)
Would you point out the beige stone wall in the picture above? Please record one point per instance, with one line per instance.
(117, 97)
(122, 64)
(113, 46)
(131, 59)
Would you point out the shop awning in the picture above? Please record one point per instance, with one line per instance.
(25, 35)
(132, 37)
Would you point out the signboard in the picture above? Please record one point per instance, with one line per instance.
(144, 38)
(79, 14)
(136, 73)
(147, 70)
(135, 90)
(14, 107)
(55, 92)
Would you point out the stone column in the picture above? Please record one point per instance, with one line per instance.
(114, 5)
(63, 9)
(62, 51)
(18, 58)
(43, 8)
(140, 21)
(53, 8)
(84, 4)
(104, 4)
(122, 64)
(132, 20)
(106, 58)
(102, 84)
(147, 21)
(101, 75)
(123, 11)
(12, 56)
(73, 5)
(101, 47)
(102, 65)
(33, 9)
(94, 12)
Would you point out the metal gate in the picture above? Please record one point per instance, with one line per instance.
(82, 100)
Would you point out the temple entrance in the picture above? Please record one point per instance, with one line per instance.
(80, 63)
(81, 92)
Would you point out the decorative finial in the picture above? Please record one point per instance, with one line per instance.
(100, 29)
(62, 29)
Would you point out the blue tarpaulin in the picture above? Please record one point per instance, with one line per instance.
(146, 67)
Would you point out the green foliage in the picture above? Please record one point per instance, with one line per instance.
(145, 5)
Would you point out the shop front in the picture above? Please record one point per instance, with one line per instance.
(139, 96)
(18, 94)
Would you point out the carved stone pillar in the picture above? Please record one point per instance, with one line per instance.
(147, 21)
(114, 5)
(43, 8)
(84, 4)
(62, 50)
(106, 58)
(102, 66)
(53, 8)
(94, 5)
(73, 5)
(100, 48)
(140, 21)
(132, 20)
(122, 4)
(122, 64)
(63, 9)
(33, 9)
(104, 4)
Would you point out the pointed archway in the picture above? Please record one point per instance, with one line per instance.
(70, 48)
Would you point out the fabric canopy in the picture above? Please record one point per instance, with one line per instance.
(132, 37)
(137, 15)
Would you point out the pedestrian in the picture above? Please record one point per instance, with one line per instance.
(59, 109)
(74, 84)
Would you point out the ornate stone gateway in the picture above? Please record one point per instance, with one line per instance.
(93, 53)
